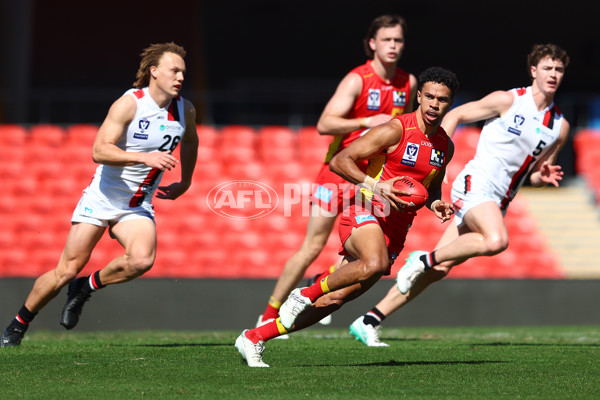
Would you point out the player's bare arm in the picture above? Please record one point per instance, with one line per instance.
(545, 171)
(334, 121)
(105, 150)
(386, 136)
(188, 153)
(493, 105)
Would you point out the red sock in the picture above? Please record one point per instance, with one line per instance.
(326, 273)
(316, 290)
(272, 310)
(266, 332)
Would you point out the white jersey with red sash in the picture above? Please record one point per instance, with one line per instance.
(152, 129)
(507, 150)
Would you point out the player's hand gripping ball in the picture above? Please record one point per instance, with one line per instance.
(418, 193)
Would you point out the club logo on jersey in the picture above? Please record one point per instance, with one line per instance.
(399, 98)
(374, 99)
(517, 122)
(410, 154)
(437, 158)
(143, 124)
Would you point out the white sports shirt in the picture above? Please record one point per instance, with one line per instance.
(510, 145)
(152, 129)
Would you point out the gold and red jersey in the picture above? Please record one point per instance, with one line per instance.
(376, 97)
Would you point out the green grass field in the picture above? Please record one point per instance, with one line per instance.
(426, 363)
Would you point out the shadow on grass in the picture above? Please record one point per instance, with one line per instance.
(393, 363)
(170, 345)
(385, 339)
(506, 344)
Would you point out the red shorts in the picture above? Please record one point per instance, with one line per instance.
(332, 191)
(394, 226)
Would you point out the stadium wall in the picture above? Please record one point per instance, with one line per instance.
(213, 304)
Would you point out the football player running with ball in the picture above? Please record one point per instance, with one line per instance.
(523, 134)
(367, 96)
(372, 235)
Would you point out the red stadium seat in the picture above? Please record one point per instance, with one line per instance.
(46, 169)
(312, 157)
(82, 173)
(12, 135)
(585, 139)
(312, 147)
(47, 135)
(211, 263)
(586, 144)
(45, 143)
(237, 136)
(290, 172)
(14, 262)
(233, 153)
(276, 136)
(309, 136)
(25, 186)
(208, 136)
(77, 153)
(466, 137)
(10, 154)
(80, 135)
(277, 156)
(207, 153)
(274, 223)
(251, 170)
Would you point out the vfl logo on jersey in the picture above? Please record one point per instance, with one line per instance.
(399, 98)
(437, 158)
(410, 154)
(143, 124)
(517, 122)
(374, 99)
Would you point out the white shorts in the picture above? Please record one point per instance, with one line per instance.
(95, 209)
(470, 190)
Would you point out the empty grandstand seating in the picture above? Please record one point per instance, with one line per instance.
(45, 168)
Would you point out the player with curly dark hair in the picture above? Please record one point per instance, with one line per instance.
(522, 136)
(374, 225)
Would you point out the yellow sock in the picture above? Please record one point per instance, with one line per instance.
(273, 302)
(324, 286)
(280, 327)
